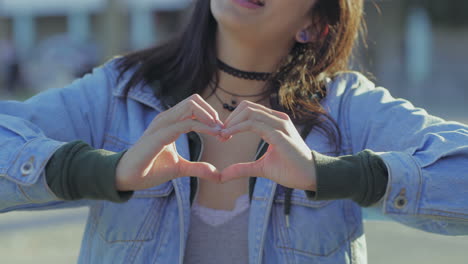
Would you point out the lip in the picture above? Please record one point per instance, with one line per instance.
(247, 4)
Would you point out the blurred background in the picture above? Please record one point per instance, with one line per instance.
(416, 49)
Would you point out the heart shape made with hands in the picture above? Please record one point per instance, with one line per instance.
(154, 159)
(287, 161)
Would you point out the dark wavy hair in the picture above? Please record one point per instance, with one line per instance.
(187, 63)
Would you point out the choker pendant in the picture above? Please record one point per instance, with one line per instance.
(231, 107)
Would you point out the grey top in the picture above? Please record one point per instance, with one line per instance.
(225, 243)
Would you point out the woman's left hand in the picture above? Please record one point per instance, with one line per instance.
(288, 160)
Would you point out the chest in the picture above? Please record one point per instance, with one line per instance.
(240, 148)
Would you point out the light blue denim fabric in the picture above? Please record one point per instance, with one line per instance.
(427, 160)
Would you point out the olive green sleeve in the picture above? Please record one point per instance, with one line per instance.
(78, 171)
(362, 177)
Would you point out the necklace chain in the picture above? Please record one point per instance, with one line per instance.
(233, 105)
(242, 95)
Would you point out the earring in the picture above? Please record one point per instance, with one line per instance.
(325, 31)
(304, 36)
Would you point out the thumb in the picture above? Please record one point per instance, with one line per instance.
(241, 170)
(201, 170)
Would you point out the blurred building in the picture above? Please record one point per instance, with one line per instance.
(73, 36)
(136, 22)
(417, 49)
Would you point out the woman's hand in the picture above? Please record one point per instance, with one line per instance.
(154, 160)
(288, 160)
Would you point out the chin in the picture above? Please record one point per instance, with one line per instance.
(231, 17)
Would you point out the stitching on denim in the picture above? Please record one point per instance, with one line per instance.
(94, 211)
(344, 115)
(92, 230)
(97, 217)
(143, 99)
(462, 216)
(420, 183)
(305, 203)
(386, 199)
(137, 239)
(112, 81)
(47, 187)
(161, 228)
(18, 155)
(111, 109)
(180, 209)
(24, 194)
(307, 253)
(113, 139)
(348, 214)
(270, 191)
(301, 199)
(147, 227)
(152, 194)
(349, 234)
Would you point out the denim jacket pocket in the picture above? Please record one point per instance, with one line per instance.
(137, 220)
(316, 228)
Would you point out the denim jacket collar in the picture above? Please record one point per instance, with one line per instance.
(141, 93)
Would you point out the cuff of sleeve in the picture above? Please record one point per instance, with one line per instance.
(333, 182)
(404, 183)
(78, 171)
(107, 168)
(28, 169)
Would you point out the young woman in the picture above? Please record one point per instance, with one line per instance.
(245, 139)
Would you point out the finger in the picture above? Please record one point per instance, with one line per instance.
(193, 107)
(260, 116)
(247, 104)
(169, 134)
(192, 110)
(207, 107)
(238, 110)
(197, 100)
(244, 104)
(201, 170)
(189, 110)
(241, 170)
(270, 135)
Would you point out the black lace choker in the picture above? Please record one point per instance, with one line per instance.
(254, 76)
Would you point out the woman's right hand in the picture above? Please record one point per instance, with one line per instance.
(154, 160)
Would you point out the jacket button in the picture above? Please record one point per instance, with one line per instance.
(27, 168)
(400, 202)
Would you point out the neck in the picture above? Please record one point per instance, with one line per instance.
(247, 55)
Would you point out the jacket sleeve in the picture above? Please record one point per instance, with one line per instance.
(31, 131)
(426, 157)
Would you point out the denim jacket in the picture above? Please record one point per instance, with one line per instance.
(426, 157)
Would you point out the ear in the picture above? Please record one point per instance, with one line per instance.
(306, 35)
(313, 32)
